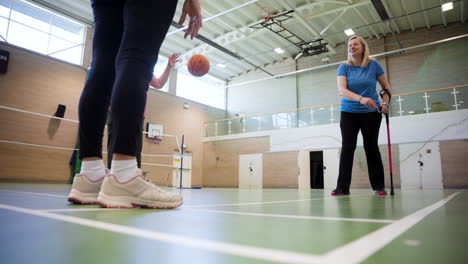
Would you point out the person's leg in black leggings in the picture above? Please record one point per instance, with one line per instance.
(349, 124)
(145, 25)
(95, 98)
(370, 126)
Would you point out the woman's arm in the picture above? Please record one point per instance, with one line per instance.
(343, 91)
(158, 83)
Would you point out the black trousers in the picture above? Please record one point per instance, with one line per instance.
(369, 124)
(127, 37)
(110, 146)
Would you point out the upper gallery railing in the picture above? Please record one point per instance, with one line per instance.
(423, 102)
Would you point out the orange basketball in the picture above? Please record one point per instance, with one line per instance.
(198, 65)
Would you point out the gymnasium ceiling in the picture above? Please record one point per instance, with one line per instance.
(242, 48)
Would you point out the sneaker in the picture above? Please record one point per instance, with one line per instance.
(84, 190)
(137, 192)
(380, 192)
(336, 192)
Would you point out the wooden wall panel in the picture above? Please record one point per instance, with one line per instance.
(280, 170)
(454, 156)
(221, 159)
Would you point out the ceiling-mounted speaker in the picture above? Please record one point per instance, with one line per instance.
(4, 58)
(380, 8)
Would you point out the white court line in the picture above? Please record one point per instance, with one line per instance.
(306, 217)
(273, 202)
(43, 194)
(189, 206)
(221, 247)
(82, 210)
(215, 205)
(360, 249)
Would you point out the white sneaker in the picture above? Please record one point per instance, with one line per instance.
(84, 190)
(137, 192)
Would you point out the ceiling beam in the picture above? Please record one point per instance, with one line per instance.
(376, 18)
(462, 11)
(366, 22)
(444, 18)
(408, 18)
(392, 21)
(215, 16)
(331, 11)
(333, 22)
(426, 17)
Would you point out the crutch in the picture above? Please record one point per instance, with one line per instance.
(389, 144)
(389, 154)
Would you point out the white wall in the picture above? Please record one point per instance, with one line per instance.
(263, 97)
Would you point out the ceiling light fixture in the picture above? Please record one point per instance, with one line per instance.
(447, 6)
(349, 32)
(279, 50)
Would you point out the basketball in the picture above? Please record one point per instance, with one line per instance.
(198, 65)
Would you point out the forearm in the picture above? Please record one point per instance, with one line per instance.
(350, 95)
(165, 76)
(159, 83)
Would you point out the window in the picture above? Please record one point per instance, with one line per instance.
(206, 90)
(29, 26)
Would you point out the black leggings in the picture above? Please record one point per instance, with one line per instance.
(126, 42)
(369, 124)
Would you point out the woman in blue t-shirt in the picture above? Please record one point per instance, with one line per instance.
(360, 104)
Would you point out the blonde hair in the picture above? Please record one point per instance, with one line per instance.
(365, 54)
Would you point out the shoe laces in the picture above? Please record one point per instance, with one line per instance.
(147, 179)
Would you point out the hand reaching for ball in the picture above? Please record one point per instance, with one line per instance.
(193, 10)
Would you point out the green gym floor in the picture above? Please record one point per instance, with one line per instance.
(38, 225)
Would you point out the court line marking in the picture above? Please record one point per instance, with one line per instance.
(207, 205)
(65, 210)
(385, 221)
(274, 255)
(273, 202)
(43, 194)
(191, 206)
(362, 248)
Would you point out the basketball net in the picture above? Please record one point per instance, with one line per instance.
(157, 139)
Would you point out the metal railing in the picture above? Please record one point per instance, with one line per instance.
(423, 102)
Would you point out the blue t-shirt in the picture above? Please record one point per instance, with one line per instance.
(361, 81)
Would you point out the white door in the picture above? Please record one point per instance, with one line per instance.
(331, 163)
(250, 171)
(303, 161)
(420, 165)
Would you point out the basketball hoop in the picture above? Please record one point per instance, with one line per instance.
(265, 13)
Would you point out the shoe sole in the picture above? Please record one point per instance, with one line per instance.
(77, 197)
(339, 194)
(108, 201)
